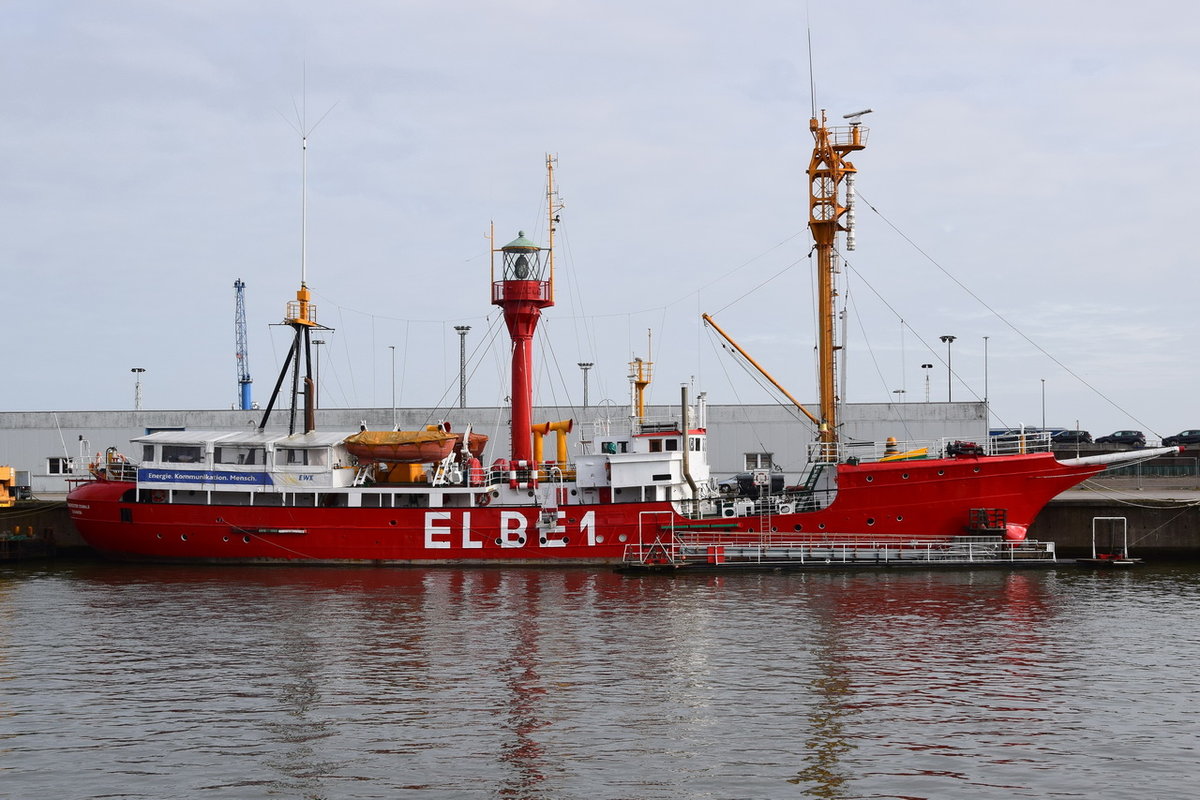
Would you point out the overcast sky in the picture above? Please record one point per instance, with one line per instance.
(1031, 176)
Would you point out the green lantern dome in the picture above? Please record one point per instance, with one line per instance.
(520, 243)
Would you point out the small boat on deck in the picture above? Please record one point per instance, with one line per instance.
(402, 447)
(413, 447)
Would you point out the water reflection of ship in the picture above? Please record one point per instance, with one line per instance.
(524, 712)
(890, 645)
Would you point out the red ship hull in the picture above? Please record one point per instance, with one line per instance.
(878, 502)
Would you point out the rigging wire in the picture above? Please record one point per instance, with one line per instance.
(902, 418)
(757, 377)
(1000, 316)
(754, 289)
(442, 408)
(741, 406)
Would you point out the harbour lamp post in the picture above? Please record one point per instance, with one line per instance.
(1043, 404)
(317, 389)
(462, 364)
(137, 387)
(899, 395)
(392, 347)
(926, 368)
(585, 366)
(985, 370)
(949, 340)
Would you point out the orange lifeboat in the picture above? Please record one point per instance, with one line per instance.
(411, 447)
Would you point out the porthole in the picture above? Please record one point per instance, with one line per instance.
(977, 469)
(158, 536)
(622, 538)
(600, 538)
(498, 542)
(821, 526)
(542, 540)
(870, 478)
(774, 529)
(904, 475)
(224, 538)
(183, 537)
(941, 472)
(246, 539)
(391, 522)
(870, 520)
(899, 518)
(566, 540)
(797, 528)
(521, 540)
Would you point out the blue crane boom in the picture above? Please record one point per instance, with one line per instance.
(243, 355)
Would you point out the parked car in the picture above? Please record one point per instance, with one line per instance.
(1071, 437)
(1131, 438)
(1022, 436)
(742, 485)
(1183, 437)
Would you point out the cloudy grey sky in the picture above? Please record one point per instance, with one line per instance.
(1030, 171)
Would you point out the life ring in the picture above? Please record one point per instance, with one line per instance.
(483, 499)
(158, 496)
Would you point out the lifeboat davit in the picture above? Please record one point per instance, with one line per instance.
(475, 443)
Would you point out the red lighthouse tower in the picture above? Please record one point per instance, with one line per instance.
(526, 286)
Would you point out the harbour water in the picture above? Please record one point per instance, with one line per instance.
(121, 681)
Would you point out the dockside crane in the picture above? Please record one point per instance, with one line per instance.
(243, 355)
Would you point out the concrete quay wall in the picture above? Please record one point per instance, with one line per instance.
(37, 528)
(1161, 523)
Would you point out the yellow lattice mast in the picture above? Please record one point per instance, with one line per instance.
(830, 211)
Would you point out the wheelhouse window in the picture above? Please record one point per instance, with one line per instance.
(147, 452)
(57, 465)
(760, 460)
(240, 454)
(303, 456)
(182, 454)
(695, 444)
(671, 445)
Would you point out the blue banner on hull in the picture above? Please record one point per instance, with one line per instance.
(146, 475)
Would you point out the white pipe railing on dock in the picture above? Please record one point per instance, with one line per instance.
(679, 551)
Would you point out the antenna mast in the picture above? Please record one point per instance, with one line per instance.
(554, 204)
(300, 314)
